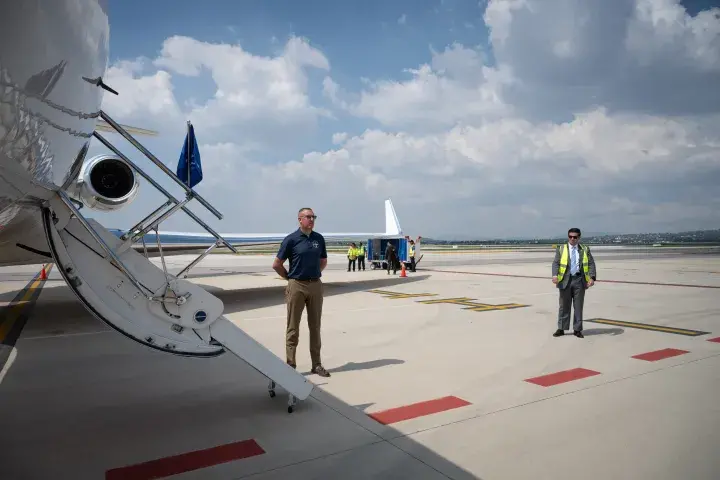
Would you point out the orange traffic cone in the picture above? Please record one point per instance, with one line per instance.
(43, 273)
(403, 273)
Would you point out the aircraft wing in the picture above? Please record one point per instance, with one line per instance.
(177, 243)
(29, 246)
(103, 126)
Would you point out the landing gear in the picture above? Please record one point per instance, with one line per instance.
(292, 401)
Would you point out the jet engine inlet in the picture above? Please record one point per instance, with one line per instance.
(105, 183)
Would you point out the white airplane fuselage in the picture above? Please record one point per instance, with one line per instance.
(48, 112)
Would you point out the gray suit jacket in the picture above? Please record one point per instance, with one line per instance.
(566, 279)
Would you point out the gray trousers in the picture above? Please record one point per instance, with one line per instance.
(573, 294)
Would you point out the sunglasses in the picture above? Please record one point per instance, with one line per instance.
(310, 217)
(573, 236)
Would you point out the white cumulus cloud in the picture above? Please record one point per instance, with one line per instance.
(599, 114)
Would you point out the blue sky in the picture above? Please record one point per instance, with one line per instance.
(361, 40)
(471, 115)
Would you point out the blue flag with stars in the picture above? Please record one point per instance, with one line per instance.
(189, 169)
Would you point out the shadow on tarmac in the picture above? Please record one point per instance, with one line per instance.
(59, 311)
(260, 297)
(144, 392)
(352, 366)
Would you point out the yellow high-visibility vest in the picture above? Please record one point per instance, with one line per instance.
(361, 251)
(352, 253)
(411, 251)
(564, 263)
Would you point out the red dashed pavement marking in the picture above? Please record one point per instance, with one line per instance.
(660, 354)
(420, 409)
(562, 377)
(716, 340)
(164, 467)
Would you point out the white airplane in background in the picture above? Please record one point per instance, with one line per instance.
(53, 56)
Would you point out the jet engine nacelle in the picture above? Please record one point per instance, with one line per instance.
(105, 183)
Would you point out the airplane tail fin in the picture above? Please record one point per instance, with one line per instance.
(392, 224)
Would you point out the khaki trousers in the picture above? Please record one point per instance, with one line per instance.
(298, 295)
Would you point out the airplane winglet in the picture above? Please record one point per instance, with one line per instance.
(392, 224)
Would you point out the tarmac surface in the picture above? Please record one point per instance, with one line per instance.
(451, 372)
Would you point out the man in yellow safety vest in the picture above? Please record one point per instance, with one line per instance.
(352, 255)
(573, 271)
(361, 257)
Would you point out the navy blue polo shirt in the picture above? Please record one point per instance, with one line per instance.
(304, 253)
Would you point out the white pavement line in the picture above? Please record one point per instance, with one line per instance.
(590, 387)
(42, 337)
(8, 364)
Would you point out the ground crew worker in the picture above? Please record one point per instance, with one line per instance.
(361, 257)
(391, 258)
(307, 253)
(573, 271)
(411, 255)
(352, 255)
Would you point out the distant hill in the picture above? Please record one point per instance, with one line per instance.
(689, 237)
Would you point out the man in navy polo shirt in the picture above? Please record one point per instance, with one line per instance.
(307, 253)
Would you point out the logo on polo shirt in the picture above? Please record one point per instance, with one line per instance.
(315, 244)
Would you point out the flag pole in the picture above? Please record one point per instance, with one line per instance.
(189, 154)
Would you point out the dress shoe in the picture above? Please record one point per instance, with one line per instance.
(579, 334)
(320, 370)
(558, 333)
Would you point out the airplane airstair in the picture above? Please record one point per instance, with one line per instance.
(147, 304)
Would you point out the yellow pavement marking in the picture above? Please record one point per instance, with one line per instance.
(467, 302)
(395, 295)
(13, 311)
(647, 326)
(471, 305)
(454, 301)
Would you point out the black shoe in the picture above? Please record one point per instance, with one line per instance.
(579, 334)
(320, 370)
(558, 333)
